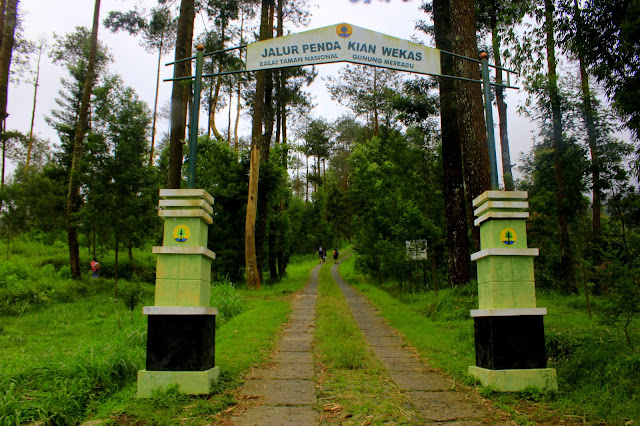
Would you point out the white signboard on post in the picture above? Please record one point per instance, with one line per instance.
(343, 43)
(416, 249)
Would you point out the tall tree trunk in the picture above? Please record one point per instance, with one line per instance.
(229, 115)
(507, 174)
(471, 123)
(589, 119)
(317, 176)
(33, 110)
(263, 195)
(283, 261)
(10, 12)
(239, 89)
(273, 255)
(73, 195)
(278, 74)
(238, 110)
(4, 155)
(559, 147)
(211, 115)
(3, 5)
(458, 261)
(285, 149)
(376, 128)
(324, 184)
(588, 112)
(282, 104)
(275, 236)
(251, 265)
(180, 92)
(279, 97)
(155, 102)
(213, 106)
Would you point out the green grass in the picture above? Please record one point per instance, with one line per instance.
(340, 341)
(245, 340)
(70, 353)
(354, 387)
(72, 359)
(58, 362)
(598, 374)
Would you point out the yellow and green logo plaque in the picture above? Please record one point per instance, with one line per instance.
(508, 236)
(181, 233)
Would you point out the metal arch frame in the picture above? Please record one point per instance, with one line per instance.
(197, 86)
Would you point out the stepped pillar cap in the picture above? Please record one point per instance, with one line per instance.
(186, 193)
(500, 196)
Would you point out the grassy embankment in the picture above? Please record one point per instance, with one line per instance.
(69, 352)
(598, 374)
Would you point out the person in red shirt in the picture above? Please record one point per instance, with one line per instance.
(95, 268)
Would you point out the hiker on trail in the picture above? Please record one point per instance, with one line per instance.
(335, 255)
(324, 255)
(95, 268)
(320, 253)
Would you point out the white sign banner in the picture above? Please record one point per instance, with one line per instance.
(343, 43)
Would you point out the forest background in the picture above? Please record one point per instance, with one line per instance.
(378, 176)
(403, 164)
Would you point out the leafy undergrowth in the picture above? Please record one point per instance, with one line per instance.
(353, 386)
(35, 276)
(598, 374)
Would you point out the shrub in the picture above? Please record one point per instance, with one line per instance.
(47, 271)
(622, 304)
(64, 272)
(140, 270)
(12, 271)
(225, 297)
(133, 293)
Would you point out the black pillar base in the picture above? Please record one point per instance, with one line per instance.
(181, 342)
(510, 342)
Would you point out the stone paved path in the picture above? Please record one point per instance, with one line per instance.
(430, 392)
(283, 392)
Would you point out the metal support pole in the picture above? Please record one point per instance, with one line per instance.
(195, 118)
(491, 139)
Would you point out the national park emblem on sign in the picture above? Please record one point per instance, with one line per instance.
(344, 30)
(508, 236)
(181, 233)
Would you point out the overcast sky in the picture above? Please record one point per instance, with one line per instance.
(138, 68)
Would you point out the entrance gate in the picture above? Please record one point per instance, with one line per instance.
(509, 330)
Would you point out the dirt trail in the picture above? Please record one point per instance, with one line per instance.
(283, 392)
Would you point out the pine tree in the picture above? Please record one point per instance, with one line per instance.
(180, 92)
(158, 35)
